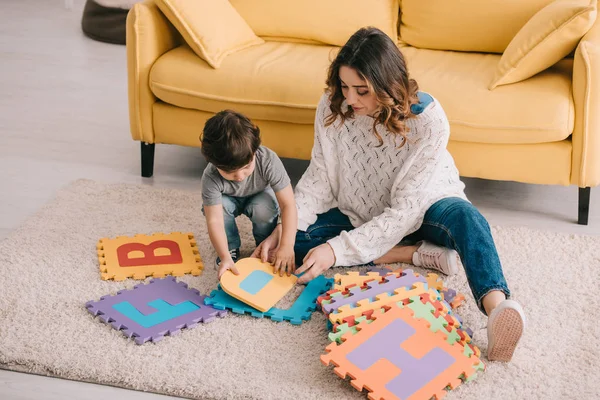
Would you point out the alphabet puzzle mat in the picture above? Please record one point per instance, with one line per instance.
(149, 312)
(398, 356)
(156, 255)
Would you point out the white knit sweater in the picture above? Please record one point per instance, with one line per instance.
(386, 190)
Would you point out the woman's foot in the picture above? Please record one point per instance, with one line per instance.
(506, 324)
(441, 259)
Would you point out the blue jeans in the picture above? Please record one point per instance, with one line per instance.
(452, 222)
(261, 208)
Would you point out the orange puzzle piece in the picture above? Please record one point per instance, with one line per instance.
(154, 255)
(397, 356)
(256, 285)
(354, 278)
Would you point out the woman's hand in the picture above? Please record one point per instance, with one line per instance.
(318, 260)
(267, 249)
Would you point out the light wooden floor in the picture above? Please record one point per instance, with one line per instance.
(63, 116)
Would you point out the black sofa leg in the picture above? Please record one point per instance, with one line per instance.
(147, 159)
(584, 205)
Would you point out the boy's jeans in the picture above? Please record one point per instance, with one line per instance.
(261, 208)
(452, 222)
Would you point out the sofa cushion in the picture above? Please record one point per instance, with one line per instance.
(546, 38)
(537, 110)
(276, 81)
(284, 81)
(466, 25)
(329, 22)
(212, 28)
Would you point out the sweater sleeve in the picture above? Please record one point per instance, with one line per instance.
(412, 193)
(313, 193)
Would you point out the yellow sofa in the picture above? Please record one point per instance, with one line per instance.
(542, 130)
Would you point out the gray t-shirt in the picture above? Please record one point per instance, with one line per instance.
(268, 173)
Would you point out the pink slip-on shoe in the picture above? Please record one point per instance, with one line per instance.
(505, 328)
(439, 258)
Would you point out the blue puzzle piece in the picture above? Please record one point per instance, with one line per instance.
(300, 311)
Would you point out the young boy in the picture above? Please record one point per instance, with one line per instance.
(243, 177)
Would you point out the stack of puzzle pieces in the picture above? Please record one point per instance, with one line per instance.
(396, 334)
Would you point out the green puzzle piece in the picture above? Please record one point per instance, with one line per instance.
(425, 311)
(342, 329)
(332, 295)
(477, 368)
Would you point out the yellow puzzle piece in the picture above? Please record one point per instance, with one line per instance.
(434, 281)
(154, 255)
(352, 278)
(256, 285)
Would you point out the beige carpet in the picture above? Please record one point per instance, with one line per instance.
(48, 270)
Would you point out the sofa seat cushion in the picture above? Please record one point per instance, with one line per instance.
(537, 110)
(275, 81)
(283, 82)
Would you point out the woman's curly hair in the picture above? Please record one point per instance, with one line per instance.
(377, 60)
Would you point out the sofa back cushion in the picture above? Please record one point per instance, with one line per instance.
(212, 28)
(465, 25)
(545, 39)
(326, 21)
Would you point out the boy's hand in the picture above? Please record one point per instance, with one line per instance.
(269, 246)
(284, 261)
(225, 265)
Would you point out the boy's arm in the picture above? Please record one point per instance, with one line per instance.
(216, 230)
(289, 216)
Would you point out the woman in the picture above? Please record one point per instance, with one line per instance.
(380, 174)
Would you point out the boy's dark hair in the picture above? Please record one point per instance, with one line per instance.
(229, 140)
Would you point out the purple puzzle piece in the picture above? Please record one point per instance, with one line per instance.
(355, 294)
(148, 312)
(449, 295)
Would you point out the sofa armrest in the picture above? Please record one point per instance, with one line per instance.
(585, 169)
(149, 35)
